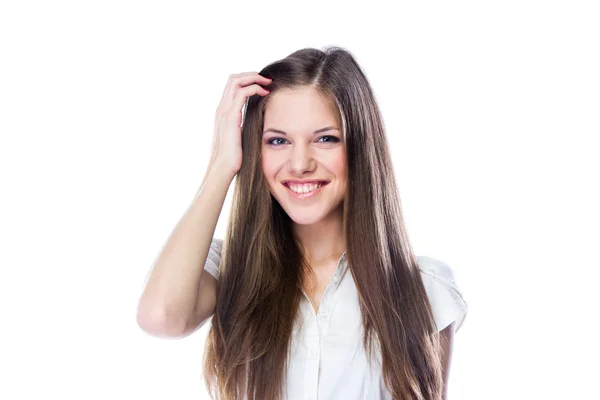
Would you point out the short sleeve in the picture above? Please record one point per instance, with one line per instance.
(445, 298)
(214, 257)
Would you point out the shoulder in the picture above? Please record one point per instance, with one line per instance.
(433, 268)
(446, 299)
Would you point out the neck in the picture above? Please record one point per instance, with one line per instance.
(324, 240)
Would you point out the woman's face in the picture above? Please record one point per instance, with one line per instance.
(291, 150)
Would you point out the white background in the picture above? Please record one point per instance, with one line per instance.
(106, 115)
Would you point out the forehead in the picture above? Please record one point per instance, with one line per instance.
(304, 106)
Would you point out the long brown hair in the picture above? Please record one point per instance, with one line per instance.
(262, 264)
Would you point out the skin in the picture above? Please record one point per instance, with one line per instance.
(301, 155)
(447, 342)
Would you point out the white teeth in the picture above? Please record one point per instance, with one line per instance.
(304, 188)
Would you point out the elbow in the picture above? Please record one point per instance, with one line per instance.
(155, 322)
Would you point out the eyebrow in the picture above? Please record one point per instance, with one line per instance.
(327, 128)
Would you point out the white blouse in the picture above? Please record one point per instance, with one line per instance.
(328, 361)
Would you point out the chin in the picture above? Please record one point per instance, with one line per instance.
(304, 218)
(306, 214)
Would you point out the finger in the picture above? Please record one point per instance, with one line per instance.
(241, 80)
(245, 92)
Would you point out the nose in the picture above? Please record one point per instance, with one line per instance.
(301, 160)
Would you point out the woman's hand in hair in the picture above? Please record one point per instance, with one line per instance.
(227, 140)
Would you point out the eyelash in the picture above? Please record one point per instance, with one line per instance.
(335, 140)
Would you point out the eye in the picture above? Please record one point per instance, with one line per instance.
(334, 139)
(270, 141)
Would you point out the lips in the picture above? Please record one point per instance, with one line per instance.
(306, 195)
(293, 182)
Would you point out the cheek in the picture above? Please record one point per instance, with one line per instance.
(338, 166)
(269, 166)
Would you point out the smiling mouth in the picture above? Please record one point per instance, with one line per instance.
(303, 195)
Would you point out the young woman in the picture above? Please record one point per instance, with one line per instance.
(315, 292)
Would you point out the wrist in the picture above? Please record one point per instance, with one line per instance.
(220, 171)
